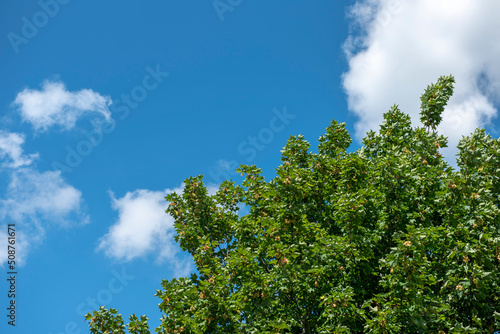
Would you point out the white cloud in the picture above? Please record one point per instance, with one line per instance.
(32, 196)
(396, 48)
(10, 149)
(33, 200)
(142, 226)
(55, 105)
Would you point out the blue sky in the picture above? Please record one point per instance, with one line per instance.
(105, 107)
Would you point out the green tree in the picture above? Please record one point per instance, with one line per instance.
(386, 239)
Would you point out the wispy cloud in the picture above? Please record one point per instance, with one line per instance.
(34, 200)
(32, 195)
(23, 245)
(11, 151)
(398, 47)
(54, 105)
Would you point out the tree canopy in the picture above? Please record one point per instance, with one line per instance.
(386, 239)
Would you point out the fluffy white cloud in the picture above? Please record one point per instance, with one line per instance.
(397, 47)
(144, 228)
(55, 105)
(10, 150)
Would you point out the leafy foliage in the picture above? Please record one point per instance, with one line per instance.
(434, 100)
(387, 239)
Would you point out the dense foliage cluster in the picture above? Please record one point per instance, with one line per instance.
(386, 239)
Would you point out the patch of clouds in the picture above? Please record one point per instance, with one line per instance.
(55, 105)
(143, 228)
(24, 243)
(32, 195)
(33, 200)
(396, 48)
(11, 152)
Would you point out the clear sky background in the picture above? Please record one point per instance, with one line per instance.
(105, 107)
